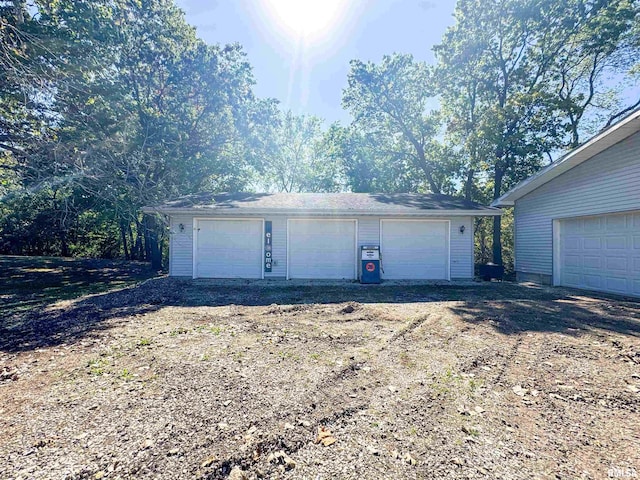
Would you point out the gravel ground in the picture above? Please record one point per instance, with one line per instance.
(215, 380)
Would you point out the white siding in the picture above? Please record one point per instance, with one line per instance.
(461, 248)
(368, 231)
(181, 244)
(181, 247)
(607, 183)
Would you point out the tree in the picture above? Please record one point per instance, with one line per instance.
(515, 79)
(367, 168)
(295, 156)
(139, 110)
(390, 103)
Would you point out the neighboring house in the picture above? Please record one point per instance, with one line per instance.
(577, 221)
(318, 235)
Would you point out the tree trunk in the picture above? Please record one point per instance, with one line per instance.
(123, 235)
(468, 184)
(497, 225)
(132, 243)
(152, 243)
(64, 244)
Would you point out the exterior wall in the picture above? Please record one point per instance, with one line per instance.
(607, 183)
(534, 278)
(462, 251)
(181, 244)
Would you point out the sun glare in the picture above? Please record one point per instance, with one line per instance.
(309, 19)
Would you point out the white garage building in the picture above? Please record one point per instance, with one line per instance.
(577, 222)
(318, 236)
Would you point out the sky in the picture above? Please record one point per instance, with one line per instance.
(300, 49)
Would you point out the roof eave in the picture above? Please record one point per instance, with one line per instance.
(204, 212)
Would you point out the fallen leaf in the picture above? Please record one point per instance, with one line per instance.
(326, 441)
(409, 459)
(208, 462)
(373, 450)
(518, 390)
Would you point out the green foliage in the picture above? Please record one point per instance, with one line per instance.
(515, 78)
(297, 156)
(125, 107)
(110, 105)
(391, 103)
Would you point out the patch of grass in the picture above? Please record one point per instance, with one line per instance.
(126, 375)
(97, 366)
(406, 360)
(144, 342)
(475, 384)
(215, 329)
(178, 331)
(284, 354)
(28, 282)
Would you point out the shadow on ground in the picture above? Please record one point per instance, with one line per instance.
(507, 307)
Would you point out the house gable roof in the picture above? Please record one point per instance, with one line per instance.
(332, 204)
(597, 144)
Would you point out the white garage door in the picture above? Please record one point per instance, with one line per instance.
(322, 249)
(601, 253)
(415, 249)
(228, 249)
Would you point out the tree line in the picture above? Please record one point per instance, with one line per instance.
(110, 105)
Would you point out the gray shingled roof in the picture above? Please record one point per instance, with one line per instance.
(324, 203)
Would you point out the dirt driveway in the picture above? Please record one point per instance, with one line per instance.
(176, 379)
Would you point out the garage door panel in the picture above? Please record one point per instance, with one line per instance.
(415, 249)
(603, 255)
(229, 249)
(616, 243)
(322, 249)
(616, 284)
(616, 263)
(592, 243)
(592, 225)
(571, 261)
(592, 262)
(592, 281)
(573, 243)
(617, 222)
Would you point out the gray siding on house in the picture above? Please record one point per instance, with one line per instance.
(181, 244)
(368, 231)
(462, 251)
(607, 183)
